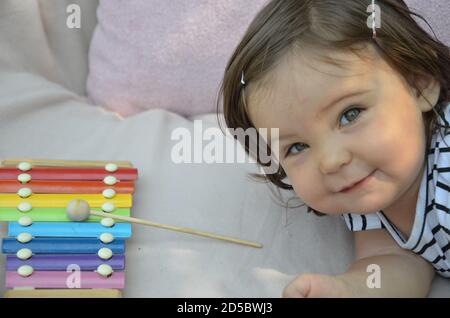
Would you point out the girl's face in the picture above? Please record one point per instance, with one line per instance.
(339, 125)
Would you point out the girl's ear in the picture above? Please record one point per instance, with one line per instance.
(430, 89)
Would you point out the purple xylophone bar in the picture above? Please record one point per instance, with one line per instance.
(86, 262)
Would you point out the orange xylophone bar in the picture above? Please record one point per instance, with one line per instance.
(52, 186)
(44, 173)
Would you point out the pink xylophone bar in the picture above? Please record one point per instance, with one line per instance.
(46, 279)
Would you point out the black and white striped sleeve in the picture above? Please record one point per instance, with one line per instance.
(362, 222)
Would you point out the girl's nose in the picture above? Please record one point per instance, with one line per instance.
(333, 158)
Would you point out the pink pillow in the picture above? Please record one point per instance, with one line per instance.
(148, 54)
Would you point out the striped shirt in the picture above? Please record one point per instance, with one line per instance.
(430, 234)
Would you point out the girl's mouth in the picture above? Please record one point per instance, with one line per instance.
(359, 184)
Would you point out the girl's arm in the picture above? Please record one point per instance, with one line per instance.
(402, 273)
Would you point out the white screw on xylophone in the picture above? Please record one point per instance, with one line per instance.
(79, 210)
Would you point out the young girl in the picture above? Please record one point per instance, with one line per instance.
(362, 115)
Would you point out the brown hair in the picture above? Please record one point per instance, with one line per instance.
(332, 24)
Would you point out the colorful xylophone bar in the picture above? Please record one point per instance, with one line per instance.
(48, 255)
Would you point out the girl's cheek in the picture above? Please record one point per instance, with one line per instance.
(301, 179)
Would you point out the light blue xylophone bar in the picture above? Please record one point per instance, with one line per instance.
(69, 229)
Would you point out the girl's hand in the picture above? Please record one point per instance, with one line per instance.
(317, 286)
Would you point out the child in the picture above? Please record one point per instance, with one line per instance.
(360, 109)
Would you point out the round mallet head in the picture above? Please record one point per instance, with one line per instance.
(78, 210)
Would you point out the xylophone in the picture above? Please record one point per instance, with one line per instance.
(47, 254)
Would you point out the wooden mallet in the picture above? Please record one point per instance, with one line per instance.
(79, 210)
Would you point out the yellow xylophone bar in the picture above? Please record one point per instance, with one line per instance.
(62, 200)
(12, 162)
(63, 293)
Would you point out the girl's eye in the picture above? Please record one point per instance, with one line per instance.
(295, 149)
(351, 114)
